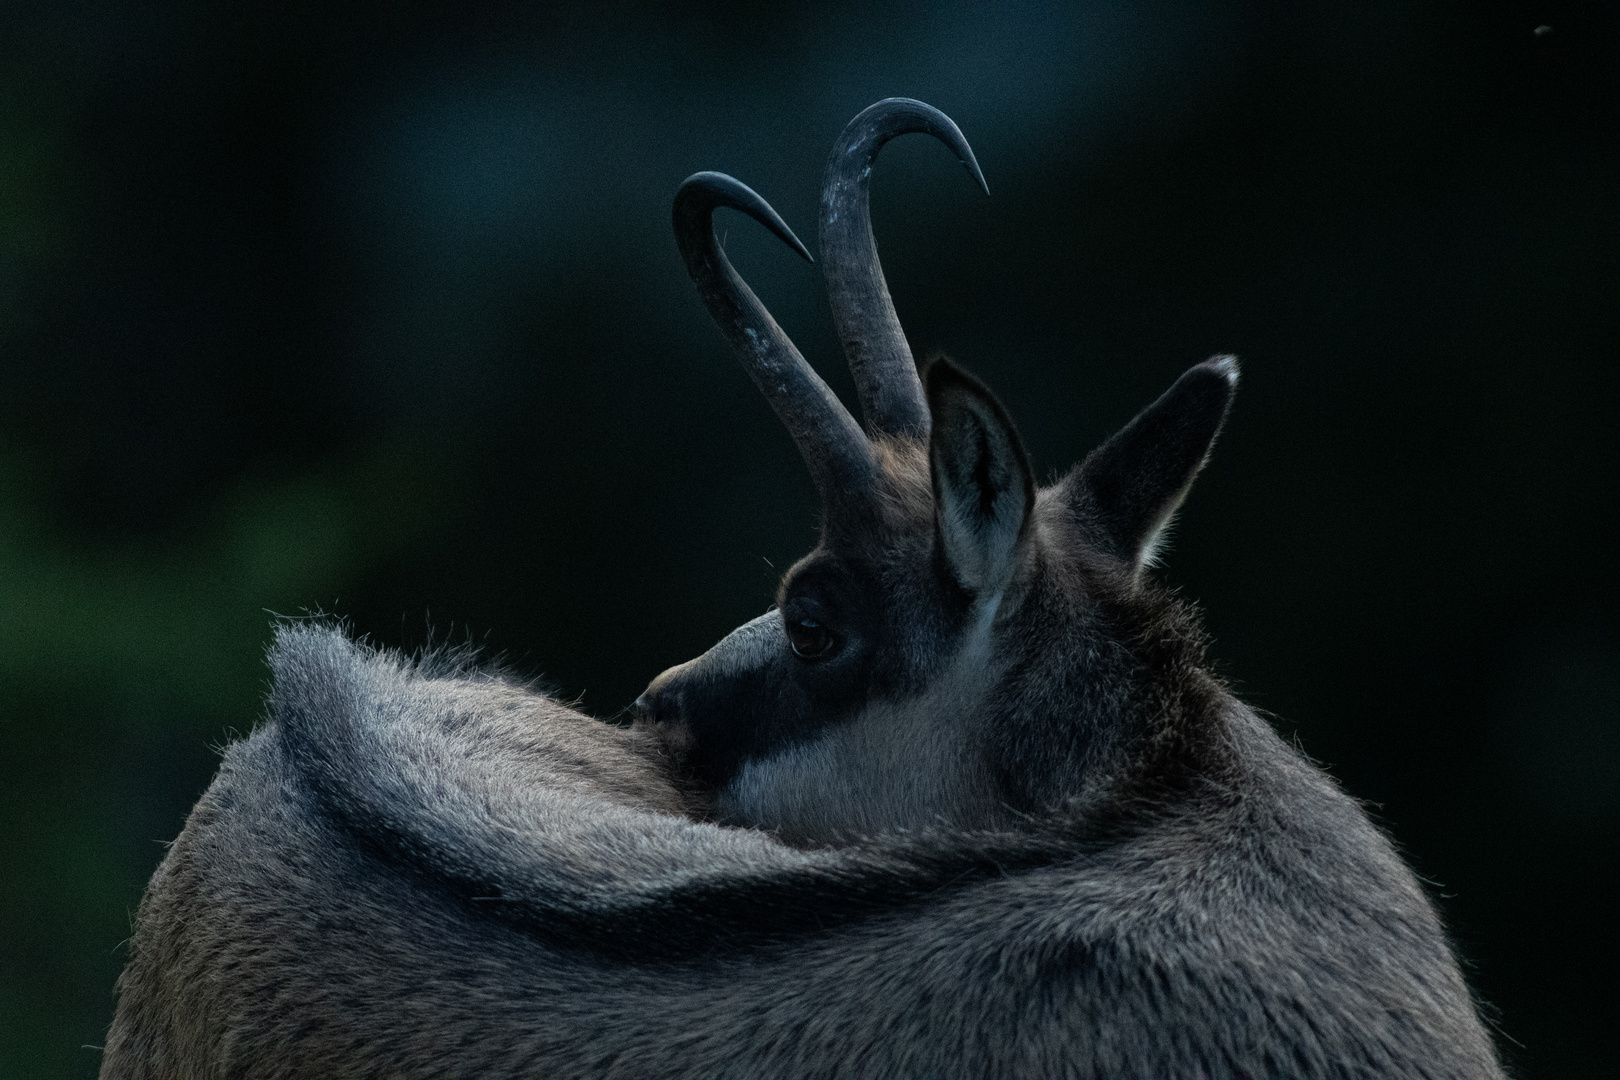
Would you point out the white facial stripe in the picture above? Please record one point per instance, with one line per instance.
(898, 765)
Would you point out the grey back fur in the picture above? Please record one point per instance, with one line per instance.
(415, 872)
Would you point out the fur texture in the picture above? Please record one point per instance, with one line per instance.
(411, 873)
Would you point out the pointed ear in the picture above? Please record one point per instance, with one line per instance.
(1132, 484)
(983, 489)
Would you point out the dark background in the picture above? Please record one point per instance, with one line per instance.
(374, 309)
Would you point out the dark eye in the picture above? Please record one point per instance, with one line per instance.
(809, 638)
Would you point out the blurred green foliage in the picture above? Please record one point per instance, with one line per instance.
(118, 660)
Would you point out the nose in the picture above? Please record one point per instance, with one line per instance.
(660, 701)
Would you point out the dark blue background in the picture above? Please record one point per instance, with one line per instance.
(374, 309)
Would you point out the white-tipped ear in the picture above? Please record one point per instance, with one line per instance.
(983, 488)
(1132, 485)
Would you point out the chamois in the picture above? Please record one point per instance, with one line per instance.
(968, 802)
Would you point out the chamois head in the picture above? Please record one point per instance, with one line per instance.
(961, 648)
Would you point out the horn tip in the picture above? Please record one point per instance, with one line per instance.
(976, 172)
(798, 245)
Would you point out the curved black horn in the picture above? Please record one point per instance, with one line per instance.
(880, 360)
(832, 443)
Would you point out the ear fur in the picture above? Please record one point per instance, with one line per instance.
(1131, 486)
(983, 488)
